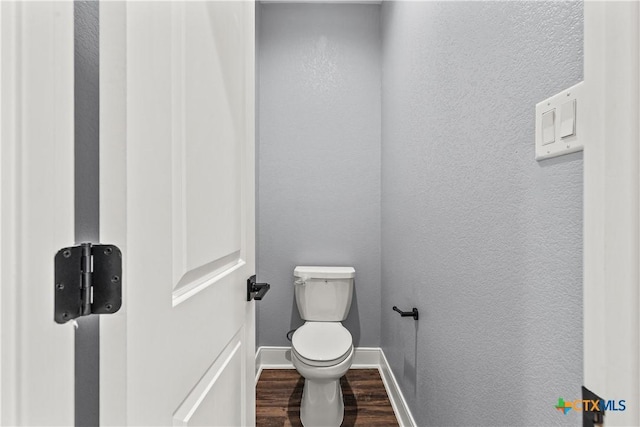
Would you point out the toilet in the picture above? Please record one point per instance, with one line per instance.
(322, 349)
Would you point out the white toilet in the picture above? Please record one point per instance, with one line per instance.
(322, 349)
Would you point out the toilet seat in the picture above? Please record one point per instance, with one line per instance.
(322, 343)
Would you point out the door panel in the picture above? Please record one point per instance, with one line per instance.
(217, 390)
(207, 145)
(182, 347)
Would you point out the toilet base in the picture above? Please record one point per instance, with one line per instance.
(322, 404)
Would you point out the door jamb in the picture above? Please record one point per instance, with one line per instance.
(611, 300)
(36, 209)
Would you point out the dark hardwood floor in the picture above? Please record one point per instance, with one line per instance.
(365, 399)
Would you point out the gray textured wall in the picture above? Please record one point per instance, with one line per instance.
(483, 239)
(319, 157)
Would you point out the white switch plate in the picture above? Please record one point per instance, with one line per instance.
(568, 144)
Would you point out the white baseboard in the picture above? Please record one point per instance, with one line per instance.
(364, 358)
(398, 402)
(273, 358)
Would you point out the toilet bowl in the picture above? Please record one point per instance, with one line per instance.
(322, 349)
(322, 352)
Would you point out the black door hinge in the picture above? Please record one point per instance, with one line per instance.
(88, 280)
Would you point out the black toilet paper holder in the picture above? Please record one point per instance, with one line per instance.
(413, 313)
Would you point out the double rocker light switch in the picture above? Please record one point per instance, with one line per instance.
(557, 125)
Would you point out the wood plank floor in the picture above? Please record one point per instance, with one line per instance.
(365, 399)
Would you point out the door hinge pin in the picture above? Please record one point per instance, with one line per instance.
(85, 282)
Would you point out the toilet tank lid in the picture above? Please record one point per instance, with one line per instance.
(325, 272)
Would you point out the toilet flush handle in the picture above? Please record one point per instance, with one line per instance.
(301, 281)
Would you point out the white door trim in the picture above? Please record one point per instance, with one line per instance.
(611, 198)
(36, 209)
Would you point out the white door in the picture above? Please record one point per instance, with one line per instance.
(177, 197)
(36, 210)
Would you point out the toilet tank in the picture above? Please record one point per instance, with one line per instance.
(323, 294)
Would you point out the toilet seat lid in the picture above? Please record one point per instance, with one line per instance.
(322, 341)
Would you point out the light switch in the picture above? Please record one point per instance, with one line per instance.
(568, 119)
(549, 127)
(557, 127)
